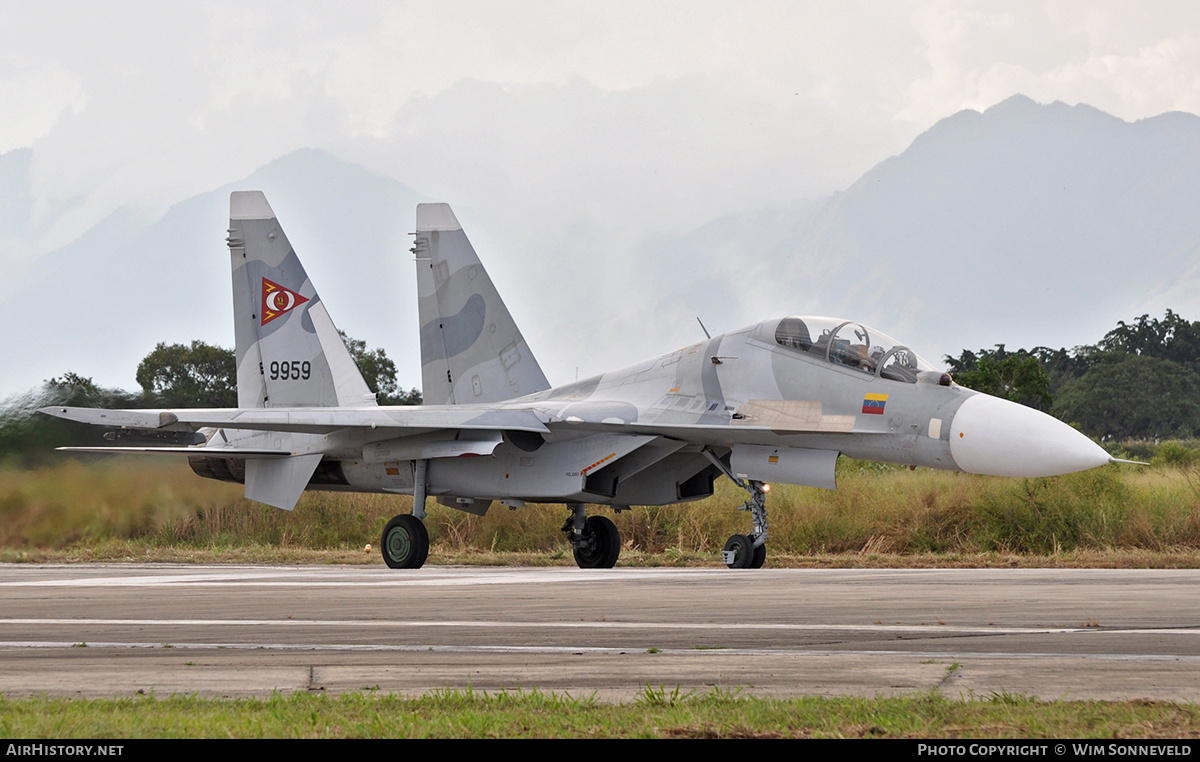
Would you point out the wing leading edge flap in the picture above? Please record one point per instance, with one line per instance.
(279, 482)
(232, 452)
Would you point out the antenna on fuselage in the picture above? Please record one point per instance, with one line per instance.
(707, 335)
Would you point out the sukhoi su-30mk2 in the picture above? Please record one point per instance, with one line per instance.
(777, 401)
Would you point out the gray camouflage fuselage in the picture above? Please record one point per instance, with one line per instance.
(633, 436)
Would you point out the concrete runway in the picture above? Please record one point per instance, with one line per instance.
(119, 629)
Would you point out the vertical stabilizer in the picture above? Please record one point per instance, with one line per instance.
(471, 350)
(289, 353)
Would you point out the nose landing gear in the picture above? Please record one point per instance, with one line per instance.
(746, 551)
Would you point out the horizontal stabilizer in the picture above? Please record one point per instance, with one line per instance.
(280, 482)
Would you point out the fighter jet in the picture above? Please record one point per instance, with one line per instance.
(777, 401)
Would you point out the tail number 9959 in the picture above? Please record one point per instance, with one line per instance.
(291, 371)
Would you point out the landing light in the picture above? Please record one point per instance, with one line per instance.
(766, 488)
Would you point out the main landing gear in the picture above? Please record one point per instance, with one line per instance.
(595, 540)
(405, 540)
(746, 551)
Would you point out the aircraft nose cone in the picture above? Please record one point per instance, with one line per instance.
(992, 436)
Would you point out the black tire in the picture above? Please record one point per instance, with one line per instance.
(760, 557)
(743, 551)
(405, 542)
(602, 544)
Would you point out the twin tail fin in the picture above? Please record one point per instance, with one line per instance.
(289, 353)
(471, 349)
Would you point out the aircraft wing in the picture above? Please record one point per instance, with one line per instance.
(313, 420)
(756, 420)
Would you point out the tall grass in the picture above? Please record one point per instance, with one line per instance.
(876, 510)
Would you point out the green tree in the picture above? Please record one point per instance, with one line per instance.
(1016, 376)
(199, 375)
(1129, 396)
(29, 438)
(380, 373)
(1171, 338)
(1063, 365)
(73, 390)
(410, 397)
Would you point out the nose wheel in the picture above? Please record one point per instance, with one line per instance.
(760, 556)
(749, 551)
(746, 551)
(741, 553)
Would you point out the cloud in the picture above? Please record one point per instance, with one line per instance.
(162, 101)
(619, 119)
(33, 98)
(1122, 60)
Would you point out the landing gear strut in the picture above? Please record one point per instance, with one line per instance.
(595, 540)
(746, 551)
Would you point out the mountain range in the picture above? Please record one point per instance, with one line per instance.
(1026, 224)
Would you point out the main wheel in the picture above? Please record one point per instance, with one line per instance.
(405, 542)
(742, 548)
(760, 557)
(601, 544)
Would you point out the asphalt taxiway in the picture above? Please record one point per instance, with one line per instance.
(119, 629)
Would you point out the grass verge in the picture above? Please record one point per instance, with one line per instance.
(157, 510)
(657, 713)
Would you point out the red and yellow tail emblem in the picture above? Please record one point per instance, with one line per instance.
(277, 300)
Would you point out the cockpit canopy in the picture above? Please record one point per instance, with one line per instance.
(852, 345)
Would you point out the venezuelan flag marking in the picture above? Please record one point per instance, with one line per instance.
(873, 404)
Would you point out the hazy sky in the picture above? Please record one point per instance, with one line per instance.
(663, 112)
(606, 121)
